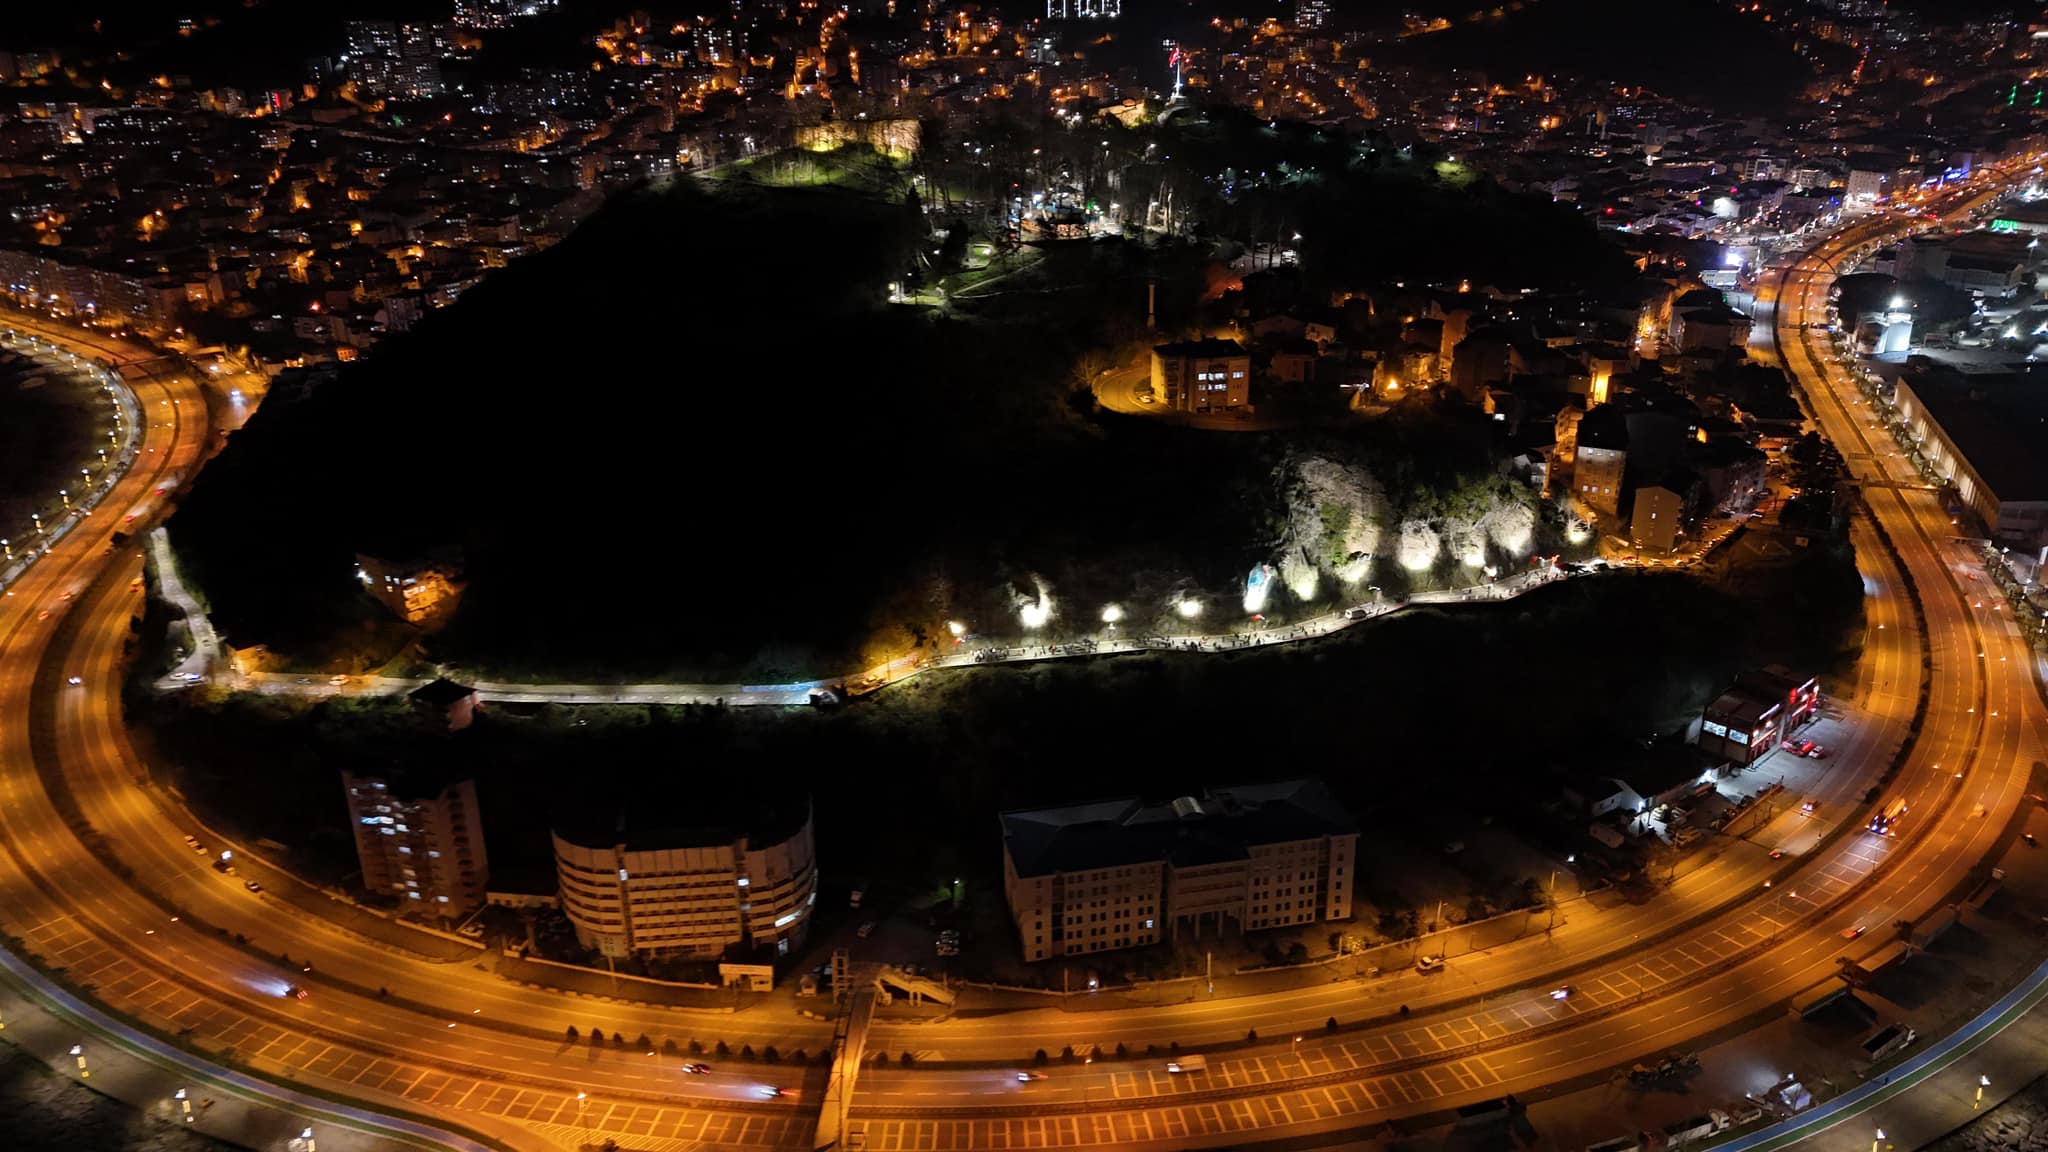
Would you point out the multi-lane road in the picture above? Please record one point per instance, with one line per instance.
(97, 878)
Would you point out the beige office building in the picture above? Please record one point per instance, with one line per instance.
(1125, 874)
(687, 892)
(424, 845)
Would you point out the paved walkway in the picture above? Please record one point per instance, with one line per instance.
(205, 663)
(25, 551)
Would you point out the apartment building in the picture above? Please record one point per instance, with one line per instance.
(419, 839)
(416, 591)
(1122, 873)
(688, 891)
(1202, 376)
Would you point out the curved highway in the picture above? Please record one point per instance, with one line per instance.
(97, 879)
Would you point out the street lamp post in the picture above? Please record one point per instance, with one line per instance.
(1874, 1144)
(1983, 1082)
(78, 1053)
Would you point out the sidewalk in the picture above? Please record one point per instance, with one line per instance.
(800, 693)
(62, 520)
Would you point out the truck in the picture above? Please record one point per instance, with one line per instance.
(1672, 1066)
(1887, 1040)
(1682, 1132)
(1930, 929)
(1194, 1063)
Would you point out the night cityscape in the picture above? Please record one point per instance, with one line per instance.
(1076, 574)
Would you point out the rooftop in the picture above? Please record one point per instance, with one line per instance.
(1221, 824)
(1201, 348)
(1995, 419)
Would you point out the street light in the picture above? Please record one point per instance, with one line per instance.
(184, 1100)
(1983, 1082)
(78, 1051)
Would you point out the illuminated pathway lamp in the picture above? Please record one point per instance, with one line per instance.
(78, 1053)
(1189, 608)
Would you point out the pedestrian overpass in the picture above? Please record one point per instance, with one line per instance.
(864, 988)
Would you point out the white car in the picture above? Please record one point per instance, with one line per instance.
(75, 681)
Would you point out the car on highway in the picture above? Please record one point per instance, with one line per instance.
(1777, 853)
(294, 992)
(1564, 993)
(1431, 963)
(75, 681)
(695, 1069)
(337, 681)
(43, 615)
(252, 886)
(1815, 751)
(1798, 747)
(770, 1092)
(1028, 1077)
(1853, 932)
(1193, 1063)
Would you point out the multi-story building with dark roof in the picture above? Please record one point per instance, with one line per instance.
(1981, 432)
(1124, 874)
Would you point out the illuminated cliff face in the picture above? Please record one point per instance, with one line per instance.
(896, 139)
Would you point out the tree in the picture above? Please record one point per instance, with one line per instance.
(1038, 1057)
(644, 1044)
(572, 1032)
(696, 1047)
(1330, 1025)
(908, 1059)
(771, 1055)
(747, 1053)
(1121, 1051)
(1251, 1036)
(1067, 1054)
(618, 1040)
(722, 1050)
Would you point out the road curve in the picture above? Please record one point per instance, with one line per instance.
(1977, 724)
